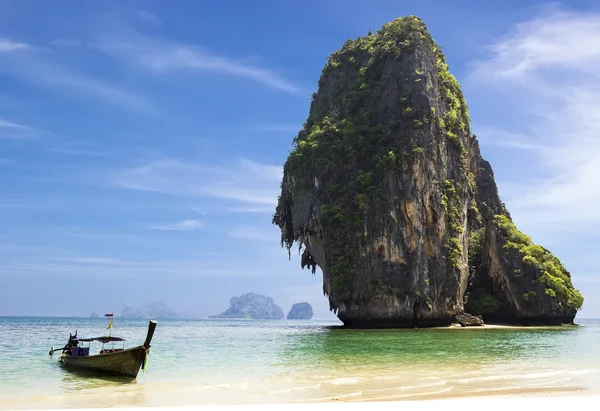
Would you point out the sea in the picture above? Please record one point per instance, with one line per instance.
(225, 362)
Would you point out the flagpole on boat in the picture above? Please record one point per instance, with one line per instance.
(110, 316)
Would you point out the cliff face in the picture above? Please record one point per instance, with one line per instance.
(386, 191)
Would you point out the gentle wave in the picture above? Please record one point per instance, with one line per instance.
(523, 376)
(294, 389)
(345, 381)
(408, 387)
(391, 397)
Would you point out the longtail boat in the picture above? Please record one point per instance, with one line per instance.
(112, 361)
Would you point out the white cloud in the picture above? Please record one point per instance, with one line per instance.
(10, 125)
(558, 40)
(104, 236)
(80, 152)
(94, 88)
(255, 234)
(162, 56)
(270, 173)
(12, 248)
(244, 181)
(199, 210)
(12, 130)
(7, 45)
(43, 67)
(501, 138)
(70, 42)
(186, 225)
(549, 68)
(90, 260)
(149, 17)
(36, 267)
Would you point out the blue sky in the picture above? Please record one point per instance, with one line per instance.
(141, 142)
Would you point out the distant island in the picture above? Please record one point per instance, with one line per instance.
(253, 306)
(154, 310)
(300, 311)
(94, 315)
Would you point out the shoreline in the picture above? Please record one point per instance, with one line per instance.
(553, 400)
(458, 326)
(445, 395)
(197, 398)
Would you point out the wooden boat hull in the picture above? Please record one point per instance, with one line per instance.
(124, 363)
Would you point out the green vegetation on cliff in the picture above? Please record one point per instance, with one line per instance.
(345, 135)
(554, 275)
(386, 190)
(451, 203)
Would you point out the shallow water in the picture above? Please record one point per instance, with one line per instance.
(237, 361)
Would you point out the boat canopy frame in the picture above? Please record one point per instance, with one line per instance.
(103, 340)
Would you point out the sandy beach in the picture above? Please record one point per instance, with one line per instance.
(521, 402)
(229, 397)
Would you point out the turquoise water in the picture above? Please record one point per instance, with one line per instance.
(237, 361)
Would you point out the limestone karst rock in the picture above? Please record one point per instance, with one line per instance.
(387, 192)
(300, 311)
(253, 306)
(154, 310)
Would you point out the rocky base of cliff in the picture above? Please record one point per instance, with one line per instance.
(379, 323)
(389, 323)
(531, 321)
(468, 320)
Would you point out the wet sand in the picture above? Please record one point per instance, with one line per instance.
(549, 400)
(232, 397)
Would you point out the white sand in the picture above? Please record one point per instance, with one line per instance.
(577, 402)
(198, 397)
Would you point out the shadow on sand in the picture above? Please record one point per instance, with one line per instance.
(75, 379)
